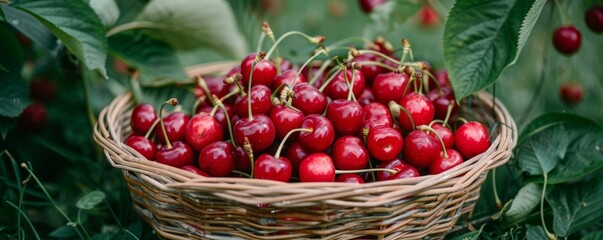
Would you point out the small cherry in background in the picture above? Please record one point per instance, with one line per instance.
(567, 39)
(594, 19)
(34, 117)
(42, 89)
(571, 93)
(368, 5)
(471, 139)
(428, 17)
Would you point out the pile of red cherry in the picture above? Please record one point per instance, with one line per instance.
(367, 117)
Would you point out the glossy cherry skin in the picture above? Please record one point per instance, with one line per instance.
(286, 78)
(318, 167)
(366, 97)
(445, 133)
(346, 116)
(567, 39)
(201, 130)
(260, 102)
(218, 158)
(441, 164)
(571, 93)
(471, 139)
(271, 168)
(309, 99)
(420, 108)
(322, 135)
(370, 71)
(384, 143)
(349, 153)
(216, 86)
(180, 155)
(260, 131)
(338, 87)
(376, 114)
(441, 101)
(142, 145)
(285, 119)
(175, 127)
(594, 18)
(263, 73)
(405, 170)
(34, 117)
(42, 89)
(295, 152)
(349, 178)
(368, 5)
(390, 87)
(142, 118)
(220, 115)
(195, 170)
(421, 149)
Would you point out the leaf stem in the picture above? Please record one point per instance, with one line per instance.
(499, 203)
(33, 229)
(548, 234)
(87, 97)
(132, 26)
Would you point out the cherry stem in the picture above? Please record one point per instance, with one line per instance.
(372, 170)
(459, 119)
(378, 54)
(564, 19)
(242, 173)
(314, 40)
(249, 151)
(203, 85)
(350, 84)
(406, 50)
(379, 64)
(219, 103)
(172, 102)
(348, 40)
(449, 111)
(280, 146)
(405, 111)
(321, 50)
(257, 59)
(548, 234)
(326, 83)
(499, 203)
(230, 94)
(428, 128)
(214, 109)
(148, 133)
(433, 79)
(322, 68)
(260, 42)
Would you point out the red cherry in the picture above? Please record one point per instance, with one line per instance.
(142, 118)
(384, 143)
(309, 99)
(441, 164)
(428, 16)
(338, 87)
(42, 89)
(368, 5)
(349, 153)
(471, 139)
(175, 127)
(218, 159)
(441, 101)
(346, 116)
(369, 71)
(594, 18)
(285, 119)
(376, 114)
(243, 162)
(366, 97)
(311, 71)
(180, 155)
(322, 134)
(269, 167)
(571, 93)
(216, 86)
(34, 117)
(444, 133)
(390, 87)
(201, 130)
(421, 149)
(263, 73)
(349, 178)
(220, 115)
(286, 78)
(259, 130)
(295, 152)
(566, 39)
(195, 170)
(260, 102)
(420, 108)
(142, 145)
(404, 170)
(318, 167)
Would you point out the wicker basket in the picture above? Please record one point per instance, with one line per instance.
(182, 205)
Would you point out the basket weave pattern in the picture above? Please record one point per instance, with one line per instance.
(183, 205)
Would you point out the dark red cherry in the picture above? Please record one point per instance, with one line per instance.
(180, 155)
(216, 86)
(295, 152)
(175, 127)
(441, 164)
(346, 116)
(571, 93)
(260, 102)
(318, 167)
(142, 118)
(349, 153)
(285, 119)
(201, 130)
(195, 170)
(445, 133)
(390, 87)
(218, 158)
(338, 87)
(420, 108)
(260, 131)
(471, 139)
(286, 78)
(34, 117)
(42, 89)
(322, 134)
(142, 145)
(567, 39)
(404, 170)
(441, 101)
(442, 80)
(384, 143)
(243, 162)
(370, 71)
(271, 168)
(349, 178)
(421, 149)
(376, 114)
(309, 99)
(594, 18)
(366, 97)
(263, 73)
(368, 5)
(311, 71)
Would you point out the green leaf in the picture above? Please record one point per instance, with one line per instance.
(29, 26)
(90, 200)
(106, 10)
(526, 200)
(129, 10)
(158, 95)
(63, 232)
(76, 25)
(483, 37)
(576, 205)
(189, 24)
(593, 236)
(535, 233)
(6, 124)
(155, 60)
(11, 54)
(13, 97)
(470, 235)
(389, 15)
(566, 144)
